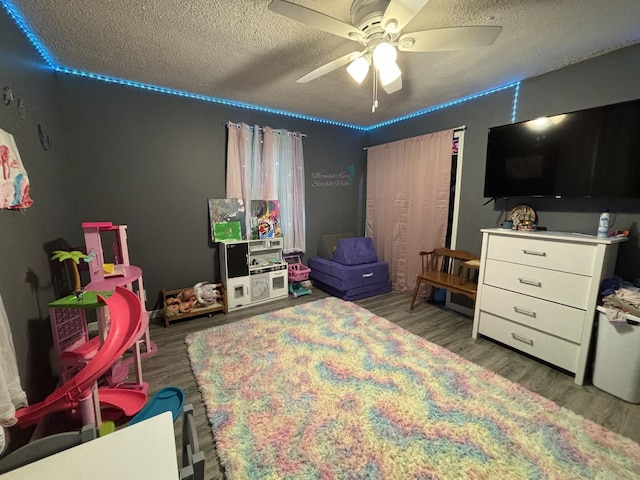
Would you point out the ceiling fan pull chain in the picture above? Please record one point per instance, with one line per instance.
(375, 91)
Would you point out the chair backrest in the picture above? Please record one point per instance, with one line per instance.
(444, 260)
(46, 446)
(192, 456)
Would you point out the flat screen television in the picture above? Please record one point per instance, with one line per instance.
(587, 153)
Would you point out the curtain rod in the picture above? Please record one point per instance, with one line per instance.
(259, 128)
(461, 128)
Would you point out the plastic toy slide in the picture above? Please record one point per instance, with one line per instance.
(128, 401)
(168, 399)
(126, 313)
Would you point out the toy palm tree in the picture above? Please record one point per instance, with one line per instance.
(74, 257)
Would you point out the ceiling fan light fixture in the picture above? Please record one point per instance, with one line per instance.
(391, 26)
(377, 25)
(384, 54)
(358, 69)
(389, 73)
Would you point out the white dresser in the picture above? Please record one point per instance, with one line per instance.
(537, 292)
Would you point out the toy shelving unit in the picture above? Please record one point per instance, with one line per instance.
(297, 273)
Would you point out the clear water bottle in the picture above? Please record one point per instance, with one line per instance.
(603, 224)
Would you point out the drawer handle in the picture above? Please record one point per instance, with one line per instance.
(533, 252)
(533, 283)
(528, 341)
(528, 313)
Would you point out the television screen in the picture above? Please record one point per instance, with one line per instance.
(588, 153)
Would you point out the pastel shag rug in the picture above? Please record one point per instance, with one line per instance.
(329, 390)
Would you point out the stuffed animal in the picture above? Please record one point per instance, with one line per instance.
(206, 293)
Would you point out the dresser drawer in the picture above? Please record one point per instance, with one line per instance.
(560, 287)
(559, 320)
(552, 349)
(564, 257)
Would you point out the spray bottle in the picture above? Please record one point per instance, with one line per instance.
(603, 224)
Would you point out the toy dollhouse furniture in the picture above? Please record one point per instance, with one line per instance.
(68, 315)
(106, 276)
(71, 343)
(80, 392)
(217, 306)
(354, 271)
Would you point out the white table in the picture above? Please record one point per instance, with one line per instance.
(145, 450)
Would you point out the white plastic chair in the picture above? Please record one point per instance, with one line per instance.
(46, 446)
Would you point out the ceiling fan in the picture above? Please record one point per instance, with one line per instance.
(377, 25)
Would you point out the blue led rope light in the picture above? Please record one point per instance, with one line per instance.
(445, 105)
(516, 97)
(195, 96)
(17, 18)
(22, 25)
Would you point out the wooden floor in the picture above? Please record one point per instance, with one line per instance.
(170, 366)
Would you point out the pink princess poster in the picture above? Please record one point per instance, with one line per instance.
(14, 183)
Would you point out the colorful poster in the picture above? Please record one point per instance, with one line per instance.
(265, 219)
(224, 231)
(223, 210)
(14, 183)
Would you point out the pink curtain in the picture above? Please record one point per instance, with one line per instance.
(268, 164)
(407, 204)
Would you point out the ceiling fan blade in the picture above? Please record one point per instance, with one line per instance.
(446, 39)
(393, 86)
(330, 67)
(315, 19)
(399, 13)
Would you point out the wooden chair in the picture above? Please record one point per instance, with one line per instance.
(453, 270)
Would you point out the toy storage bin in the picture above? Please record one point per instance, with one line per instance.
(616, 367)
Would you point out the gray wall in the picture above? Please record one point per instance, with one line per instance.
(611, 78)
(25, 276)
(139, 158)
(150, 161)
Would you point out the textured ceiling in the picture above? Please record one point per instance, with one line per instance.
(239, 50)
